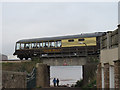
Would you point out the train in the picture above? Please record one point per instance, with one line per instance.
(59, 47)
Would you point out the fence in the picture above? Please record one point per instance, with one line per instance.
(31, 79)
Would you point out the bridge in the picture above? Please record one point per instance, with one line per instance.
(73, 61)
(45, 63)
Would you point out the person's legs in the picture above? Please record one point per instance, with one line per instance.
(57, 84)
(54, 84)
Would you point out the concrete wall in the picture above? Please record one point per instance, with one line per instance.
(111, 76)
(112, 51)
(42, 75)
(74, 61)
(108, 56)
(102, 69)
(13, 79)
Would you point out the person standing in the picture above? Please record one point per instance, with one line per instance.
(54, 82)
(57, 82)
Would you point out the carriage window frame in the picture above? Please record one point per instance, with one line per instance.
(26, 45)
(55, 43)
(58, 43)
(30, 45)
(22, 46)
(46, 44)
(33, 45)
(51, 44)
(17, 46)
(37, 45)
(40, 44)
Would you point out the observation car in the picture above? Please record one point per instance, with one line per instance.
(61, 46)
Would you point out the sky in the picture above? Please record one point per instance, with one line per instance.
(26, 20)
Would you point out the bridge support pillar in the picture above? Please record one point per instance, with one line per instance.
(89, 73)
(42, 75)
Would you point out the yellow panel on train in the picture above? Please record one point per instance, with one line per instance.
(91, 41)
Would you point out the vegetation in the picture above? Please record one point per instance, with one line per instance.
(79, 83)
(20, 66)
(89, 74)
(91, 84)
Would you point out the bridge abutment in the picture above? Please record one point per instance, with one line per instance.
(42, 75)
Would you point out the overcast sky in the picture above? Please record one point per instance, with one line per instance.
(32, 20)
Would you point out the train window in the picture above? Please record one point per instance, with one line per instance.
(59, 43)
(26, 46)
(56, 45)
(33, 45)
(81, 39)
(72, 40)
(46, 44)
(22, 45)
(37, 45)
(43, 44)
(40, 44)
(30, 45)
(51, 43)
(18, 46)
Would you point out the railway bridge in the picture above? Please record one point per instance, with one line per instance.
(88, 64)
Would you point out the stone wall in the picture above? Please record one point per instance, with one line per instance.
(117, 73)
(13, 79)
(108, 56)
(106, 75)
(99, 76)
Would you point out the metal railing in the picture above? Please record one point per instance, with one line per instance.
(31, 79)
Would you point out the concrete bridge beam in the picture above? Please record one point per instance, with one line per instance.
(75, 61)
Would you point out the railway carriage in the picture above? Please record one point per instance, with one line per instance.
(62, 46)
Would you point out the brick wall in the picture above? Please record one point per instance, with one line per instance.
(13, 79)
(99, 76)
(117, 73)
(106, 75)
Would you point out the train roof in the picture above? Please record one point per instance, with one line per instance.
(96, 34)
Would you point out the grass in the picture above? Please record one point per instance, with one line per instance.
(20, 67)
